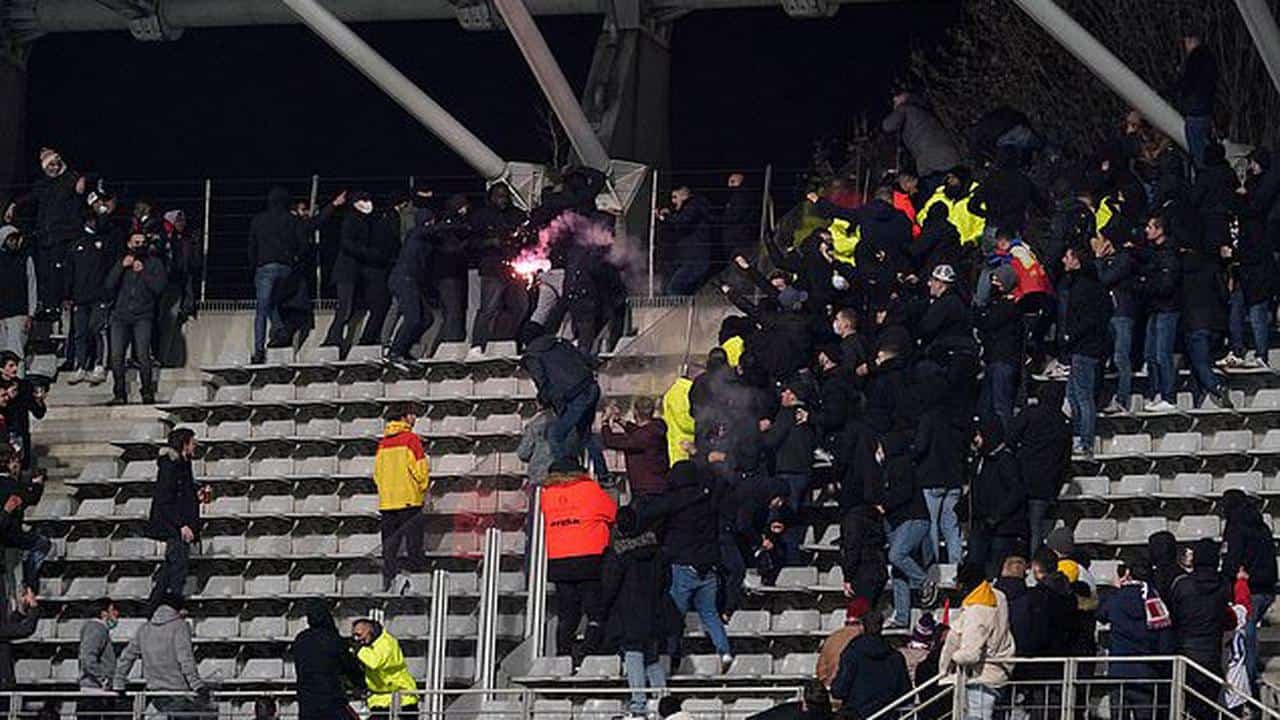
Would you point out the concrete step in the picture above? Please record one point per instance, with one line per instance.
(83, 394)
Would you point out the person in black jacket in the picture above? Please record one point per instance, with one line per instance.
(16, 623)
(886, 234)
(688, 226)
(997, 500)
(1198, 605)
(1158, 282)
(939, 444)
(937, 244)
(790, 439)
(19, 296)
(367, 252)
(1007, 194)
(56, 196)
(1247, 547)
(1253, 265)
(89, 263)
(1196, 90)
(871, 674)
(1085, 338)
(273, 246)
(16, 495)
(739, 220)
(328, 672)
(407, 276)
(1115, 272)
(1001, 330)
(1204, 318)
(862, 553)
(907, 521)
(503, 296)
(565, 378)
(28, 402)
(135, 282)
(1041, 438)
(175, 512)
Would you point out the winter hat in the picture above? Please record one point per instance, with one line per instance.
(944, 273)
(922, 633)
(857, 608)
(1061, 540)
(8, 231)
(172, 216)
(565, 466)
(1205, 553)
(1007, 276)
(48, 155)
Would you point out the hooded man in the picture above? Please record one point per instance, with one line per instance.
(18, 294)
(1248, 547)
(564, 376)
(504, 299)
(1198, 605)
(406, 282)
(273, 247)
(979, 639)
(56, 196)
(871, 674)
(367, 251)
(175, 512)
(163, 645)
(385, 670)
(1040, 436)
(998, 500)
(326, 668)
(402, 472)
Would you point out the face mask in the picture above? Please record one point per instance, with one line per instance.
(111, 623)
(839, 282)
(364, 206)
(835, 328)
(101, 209)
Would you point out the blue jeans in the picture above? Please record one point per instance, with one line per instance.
(1081, 392)
(1162, 329)
(903, 541)
(1000, 387)
(942, 521)
(1122, 356)
(1199, 128)
(265, 280)
(1259, 316)
(1199, 349)
(578, 414)
(1259, 603)
(980, 702)
(691, 589)
(641, 674)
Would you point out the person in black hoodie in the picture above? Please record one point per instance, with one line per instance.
(1247, 547)
(135, 282)
(367, 252)
(1041, 438)
(89, 262)
(273, 246)
(1198, 606)
(1204, 318)
(1001, 330)
(1162, 557)
(1158, 282)
(871, 674)
(565, 378)
(503, 296)
(1088, 318)
(907, 520)
(1197, 88)
(17, 494)
(1007, 194)
(405, 282)
(886, 234)
(328, 672)
(997, 500)
(449, 266)
(175, 512)
(938, 242)
(1115, 271)
(790, 439)
(1252, 263)
(19, 295)
(862, 553)
(688, 232)
(939, 444)
(56, 195)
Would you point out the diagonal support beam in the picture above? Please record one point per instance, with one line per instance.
(1107, 67)
(1266, 37)
(400, 88)
(553, 83)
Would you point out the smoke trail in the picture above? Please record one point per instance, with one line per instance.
(624, 253)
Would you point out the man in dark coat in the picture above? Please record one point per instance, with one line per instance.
(406, 284)
(1158, 282)
(1041, 439)
(175, 512)
(739, 220)
(937, 244)
(862, 553)
(939, 444)
(1085, 338)
(1115, 271)
(1197, 88)
(998, 500)
(56, 195)
(28, 402)
(907, 519)
(89, 261)
(273, 244)
(368, 249)
(1007, 194)
(1204, 318)
(328, 672)
(452, 238)
(136, 282)
(565, 378)
(1134, 632)
(688, 230)
(1247, 546)
(886, 234)
(503, 296)
(1002, 333)
(1198, 607)
(871, 674)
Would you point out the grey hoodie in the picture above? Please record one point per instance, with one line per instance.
(168, 662)
(97, 655)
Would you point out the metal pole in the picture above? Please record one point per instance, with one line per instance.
(437, 641)
(553, 83)
(1107, 67)
(653, 226)
(204, 259)
(1177, 688)
(487, 648)
(315, 236)
(535, 621)
(399, 88)
(764, 200)
(1266, 37)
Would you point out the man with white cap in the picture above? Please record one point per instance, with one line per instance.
(58, 222)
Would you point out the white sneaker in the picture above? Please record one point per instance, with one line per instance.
(475, 354)
(725, 662)
(1056, 369)
(98, 376)
(1251, 360)
(1160, 406)
(1230, 360)
(76, 378)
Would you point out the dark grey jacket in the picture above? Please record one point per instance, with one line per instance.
(97, 655)
(135, 293)
(924, 136)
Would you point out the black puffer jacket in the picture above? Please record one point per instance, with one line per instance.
(558, 369)
(325, 666)
(1198, 608)
(1159, 278)
(1247, 543)
(173, 502)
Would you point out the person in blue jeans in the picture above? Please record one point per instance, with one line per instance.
(1196, 90)
(1115, 271)
(1247, 547)
(1086, 338)
(1158, 282)
(1003, 333)
(907, 522)
(697, 589)
(1203, 318)
(565, 379)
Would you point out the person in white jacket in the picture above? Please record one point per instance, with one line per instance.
(979, 639)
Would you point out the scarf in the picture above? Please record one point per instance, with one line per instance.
(1157, 612)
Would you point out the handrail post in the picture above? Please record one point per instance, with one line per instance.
(208, 223)
(536, 603)
(959, 699)
(1068, 687)
(15, 706)
(395, 705)
(436, 643)
(487, 648)
(140, 705)
(1177, 688)
(653, 226)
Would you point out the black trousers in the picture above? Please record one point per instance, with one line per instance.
(414, 318)
(51, 261)
(453, 299)
(88, 335)
(573, 600)
(376, 300)
(172, 575)
(401, 529)
(138, 334)
(503, 304)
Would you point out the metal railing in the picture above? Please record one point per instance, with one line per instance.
(1147, 687)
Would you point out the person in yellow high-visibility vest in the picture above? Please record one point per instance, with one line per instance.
(679, 418)
(955, 194)
(385, 669)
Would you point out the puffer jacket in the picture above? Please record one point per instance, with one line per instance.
(401, 469)
(980, 638)
(174, 503)
(577, 514)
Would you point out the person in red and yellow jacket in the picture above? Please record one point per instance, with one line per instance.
(578, 516)
(905, 185)
(402, 472)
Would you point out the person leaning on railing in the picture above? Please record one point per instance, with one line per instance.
(385, 670)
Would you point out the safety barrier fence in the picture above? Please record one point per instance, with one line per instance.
(1142, 688)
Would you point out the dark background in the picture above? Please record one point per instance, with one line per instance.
(748, 87)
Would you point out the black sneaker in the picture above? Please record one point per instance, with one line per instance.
(117, 400)
(259, 358)
(148, 399)
(928, 593)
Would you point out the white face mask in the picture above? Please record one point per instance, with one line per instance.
(839, 282)
(364, 206)
(835, 328)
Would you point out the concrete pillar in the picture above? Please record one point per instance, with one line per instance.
(1107, 67)
(628, 93)
(1266, 37)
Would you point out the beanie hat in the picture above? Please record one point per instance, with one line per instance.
(922, 633)
(172, 216)
(1069, 568)
(1061, 540)
(1007, 275)
(858, 607)
(47, 155)
(6, 232)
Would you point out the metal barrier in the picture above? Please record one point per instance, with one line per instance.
(535, 615)
(487, 642)
(1068, 688)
